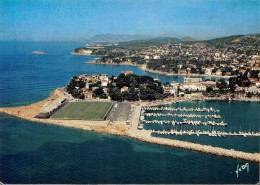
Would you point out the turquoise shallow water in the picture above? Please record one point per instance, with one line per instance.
(38, 153)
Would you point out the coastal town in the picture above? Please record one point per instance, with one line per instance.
(130, 87)
(235, 59)
(130, 92)
(143, 108)
(221, 57)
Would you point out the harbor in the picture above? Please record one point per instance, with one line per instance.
(160, 121)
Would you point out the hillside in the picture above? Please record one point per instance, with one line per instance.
(158, 41)
(187, 38)
(230, 40)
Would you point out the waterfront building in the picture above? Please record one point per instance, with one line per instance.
(127, 72)
(192, 81)
(208, 71)
(170, 90)
(209, 84)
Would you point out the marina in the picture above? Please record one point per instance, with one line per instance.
(195, 117)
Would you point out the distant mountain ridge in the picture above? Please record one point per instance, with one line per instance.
(112, 38)
(187, 38)
(148, 40)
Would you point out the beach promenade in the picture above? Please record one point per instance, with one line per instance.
(121, 128)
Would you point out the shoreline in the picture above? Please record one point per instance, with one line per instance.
(141, 67)
(121, 129)
(73, 53)
(175, 74)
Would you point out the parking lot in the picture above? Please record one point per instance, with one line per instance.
(120, 112)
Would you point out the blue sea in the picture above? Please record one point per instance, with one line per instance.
(40, 153)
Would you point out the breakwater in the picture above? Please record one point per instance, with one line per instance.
(254, 157)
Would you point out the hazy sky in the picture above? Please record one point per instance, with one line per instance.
(75, 19)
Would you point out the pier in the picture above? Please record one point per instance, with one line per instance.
(182, 115)
(184, 109)
(212, 134)
(189, 122)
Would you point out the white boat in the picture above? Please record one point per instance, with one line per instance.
(140, 127)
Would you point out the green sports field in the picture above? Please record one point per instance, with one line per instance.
(83, 111)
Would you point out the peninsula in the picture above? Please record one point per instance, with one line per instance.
(117, 105)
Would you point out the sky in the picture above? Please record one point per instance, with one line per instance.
(50, 20)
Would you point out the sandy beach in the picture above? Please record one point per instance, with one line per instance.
(121, 129)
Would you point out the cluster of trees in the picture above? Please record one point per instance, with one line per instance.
(139, 88)
(224, 87)
(74, 87)
(99, 92)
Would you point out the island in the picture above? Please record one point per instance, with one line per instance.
(38, 52)
(120, 105)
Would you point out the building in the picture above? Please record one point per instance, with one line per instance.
(192, 81)
(103, 77)
(104, 83)
(88, 95)
(257, 83)
(87, 52)
(124, 89)
(170, 90)
(208, 71)
(209, 84)
(219, 72)
(156, 57)
(127, 72)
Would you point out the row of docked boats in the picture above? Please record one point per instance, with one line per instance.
(185, 121)
(212, 133)
(182, 115)
(184, 109)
